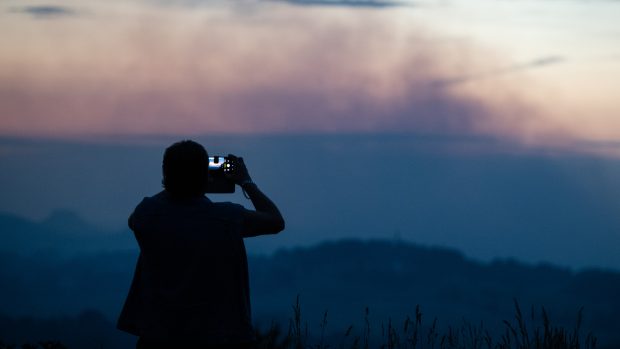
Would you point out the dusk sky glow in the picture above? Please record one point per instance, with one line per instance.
(543, 73)
(459, 158)
(500, 119)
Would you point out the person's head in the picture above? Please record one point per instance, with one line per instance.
(185, 168)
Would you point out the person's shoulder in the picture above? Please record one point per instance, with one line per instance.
(228, 209)
(227, 205)
(148, 206)
(151, 202)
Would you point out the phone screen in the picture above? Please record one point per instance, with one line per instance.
(216, 162)
(217, 181)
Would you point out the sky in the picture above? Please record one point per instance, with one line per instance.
(540, 72)
(492, 115)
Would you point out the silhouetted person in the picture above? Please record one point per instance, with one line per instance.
(190, 288)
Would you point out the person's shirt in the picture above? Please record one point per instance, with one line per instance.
(191, 278)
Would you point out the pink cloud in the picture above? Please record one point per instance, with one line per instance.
(286, 70)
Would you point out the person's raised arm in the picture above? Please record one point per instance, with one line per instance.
(266, 219)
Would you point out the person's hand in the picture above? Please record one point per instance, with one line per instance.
(239, 174)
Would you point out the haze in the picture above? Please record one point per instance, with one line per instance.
(487, 126)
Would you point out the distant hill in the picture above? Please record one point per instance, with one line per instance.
(340, 277)
(86, 330)
(62, 233)
(392, 277)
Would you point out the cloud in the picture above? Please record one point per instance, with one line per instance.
(344, 3)
(279, 70)
(545, 61)
(253, 5)
(46, 11)
(537, 63)
(283, 72)
(335, 3)
(599, 147)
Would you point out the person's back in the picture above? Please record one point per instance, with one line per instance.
(191, 280)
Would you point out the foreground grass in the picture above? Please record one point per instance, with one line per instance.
(40, 345)
(518, 334)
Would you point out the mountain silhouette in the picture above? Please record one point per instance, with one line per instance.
(342, 278)
(63, 233)
(392, 277)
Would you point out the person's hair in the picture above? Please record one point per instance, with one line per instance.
(185, 168)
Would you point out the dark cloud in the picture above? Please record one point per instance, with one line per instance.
(537, 63)
(46, 11)
(321, 76)
(344, 3)
(326, 3)
(289, 72)
(545, 61)
(604, 146)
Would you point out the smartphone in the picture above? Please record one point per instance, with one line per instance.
(217, 182)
